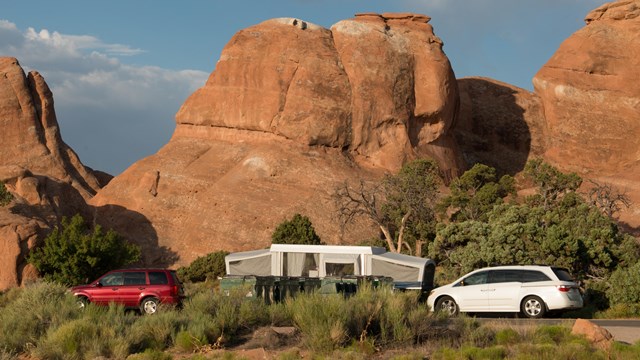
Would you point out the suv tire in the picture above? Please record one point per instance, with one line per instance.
(533, 307)
(149, 305)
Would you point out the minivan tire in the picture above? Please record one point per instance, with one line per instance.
(149, 305)
(447, 305)
(533, 307)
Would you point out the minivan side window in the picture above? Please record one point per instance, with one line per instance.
(475, 279)
(504, 276)
(533, 276)
(135, 278)
(158, 278)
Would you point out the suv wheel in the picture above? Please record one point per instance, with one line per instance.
(533, 307)
(447, 305)
(149, 305)
(82, 302)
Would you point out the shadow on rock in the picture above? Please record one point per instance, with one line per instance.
(498, 125)
(137, 229)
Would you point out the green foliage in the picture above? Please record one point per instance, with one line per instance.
(5, 196)
(73, 254)
(552, 183)
(475, 193)
(410, 201)
(34, 311)
(205, 267)
(298, 230)
(624, 285)
(564, 231)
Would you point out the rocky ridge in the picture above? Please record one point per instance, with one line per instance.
(45, 176)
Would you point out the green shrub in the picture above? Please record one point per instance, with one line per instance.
(205, 267)
(620, 311)
(624, 285)
(187, 340)
(150, 354)
(507, 337)
(321, 319)
(154, 332)
(298, 230)
(81, 339)
(5, 195)
(36, 309)
(622, 351)
(551, 334)
(74, 254)
(489, 353)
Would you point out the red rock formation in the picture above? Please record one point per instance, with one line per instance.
(39, 169)
(291, 111)
(591, 93)
(500, 125)
(591, 98)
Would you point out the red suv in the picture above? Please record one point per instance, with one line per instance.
(143, 289)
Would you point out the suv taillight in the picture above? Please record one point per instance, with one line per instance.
(564, 288)
(174, 290)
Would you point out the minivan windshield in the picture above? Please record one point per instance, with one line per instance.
(562, 274)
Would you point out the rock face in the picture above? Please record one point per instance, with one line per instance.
(45, 176)
(500, 125)
(591, 93)
(291, 111)
(377, 86)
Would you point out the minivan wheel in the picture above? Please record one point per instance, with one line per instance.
(447, 305)
(149, 305)
(533, 307)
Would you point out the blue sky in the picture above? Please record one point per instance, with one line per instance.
(119, 70)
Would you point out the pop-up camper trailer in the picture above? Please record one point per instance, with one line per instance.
(320, 261)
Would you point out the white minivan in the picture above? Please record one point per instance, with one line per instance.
(532, 290)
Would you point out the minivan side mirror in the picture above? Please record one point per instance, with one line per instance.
(98, 284)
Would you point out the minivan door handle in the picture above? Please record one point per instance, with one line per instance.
(141, 288)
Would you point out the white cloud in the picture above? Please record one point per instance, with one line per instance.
(86, 77)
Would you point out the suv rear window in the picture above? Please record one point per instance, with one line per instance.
(135, 278)
(562, 274)
(158, 278)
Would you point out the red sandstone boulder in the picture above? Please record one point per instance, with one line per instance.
(598, 336)
(45, 176)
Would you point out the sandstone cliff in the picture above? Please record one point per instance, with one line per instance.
(45, 176)
(590, 92)
(291, 111)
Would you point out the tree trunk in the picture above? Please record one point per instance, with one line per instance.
(401, 231)
(388, 238)
(419, 244)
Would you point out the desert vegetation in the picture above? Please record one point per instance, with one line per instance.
(73, 253)
(43, 321)
(481, 220)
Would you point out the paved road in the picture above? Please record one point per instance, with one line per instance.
(627, 331)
